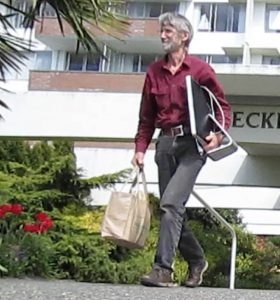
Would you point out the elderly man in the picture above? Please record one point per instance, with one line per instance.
(178, 158)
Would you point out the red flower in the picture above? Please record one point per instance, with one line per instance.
(43, 224)
(31, 228)
(17, 209)
(41, 217)
(47, 224)
(10, 208)
(2, 213)
(6, 207)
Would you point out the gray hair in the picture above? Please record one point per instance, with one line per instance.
(179, 22)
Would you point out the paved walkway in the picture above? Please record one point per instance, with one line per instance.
(30, 289)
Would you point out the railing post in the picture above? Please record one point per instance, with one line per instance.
(233, 235)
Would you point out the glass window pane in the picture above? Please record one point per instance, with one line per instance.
(203, 57)
(135, 63)
(135, 10)
(43, 60)
(271, 60)
(146, 60)
(222, 17)
(22, 5)
(115, 62)
(224, 59)
(172, 7)
(239, 14)
(128, 62)
(47, 10)
(153, 10)
(272, 18)
(117, 8)
(93, 62)
(76, 62)
(204, 23)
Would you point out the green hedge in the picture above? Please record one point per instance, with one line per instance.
(44, 178)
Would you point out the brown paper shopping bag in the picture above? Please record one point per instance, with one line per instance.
(127, 217)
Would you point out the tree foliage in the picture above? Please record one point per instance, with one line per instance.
(46, 175)
(80, 15)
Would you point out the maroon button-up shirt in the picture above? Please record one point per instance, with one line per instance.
(164, 104)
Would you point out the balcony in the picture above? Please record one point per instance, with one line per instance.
(251, 81)
(139, 30)
(86, 81)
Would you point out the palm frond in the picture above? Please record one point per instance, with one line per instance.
(12, 53)
(82, 16)
(3, 104)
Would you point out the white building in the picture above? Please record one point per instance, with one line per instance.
(95, 102)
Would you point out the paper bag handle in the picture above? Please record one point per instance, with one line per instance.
(136, 181)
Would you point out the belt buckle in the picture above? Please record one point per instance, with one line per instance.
(177, 131)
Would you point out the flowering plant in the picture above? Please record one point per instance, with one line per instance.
(10, 208)
(43, 221)
(43, 224)
(17, 236)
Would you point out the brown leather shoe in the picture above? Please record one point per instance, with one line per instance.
(196, 273)
(158, 277)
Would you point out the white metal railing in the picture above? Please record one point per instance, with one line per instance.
(233, 235)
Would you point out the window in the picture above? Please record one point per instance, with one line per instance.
(22, 5)
(203, 57)
(153, 10)
(129, 63)
(92, 62)
(272, 18)
(43, 60)
(221, 59)
(114, 61)
(136, 62)
(76, 62)
(220, 17)
(146, 60)
(47, 10)
(271, 60)
(225, 59)
(149, 9)
(142, 61)
(135, 9)
(83, 62)
(166, 7)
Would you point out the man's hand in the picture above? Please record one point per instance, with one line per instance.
(214, 140)
(138, 159)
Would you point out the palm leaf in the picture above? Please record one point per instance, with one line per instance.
(81, 15)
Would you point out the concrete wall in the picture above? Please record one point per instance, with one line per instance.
(96, 116)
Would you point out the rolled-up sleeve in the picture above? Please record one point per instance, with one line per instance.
(147, 114)
(210, 80)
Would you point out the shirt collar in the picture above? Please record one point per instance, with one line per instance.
(186, 61)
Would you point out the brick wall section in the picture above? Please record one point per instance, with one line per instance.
(138, 27)
(85, 81)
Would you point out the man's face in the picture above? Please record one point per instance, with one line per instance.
(171, 38)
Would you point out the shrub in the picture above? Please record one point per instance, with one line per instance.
(25, 249)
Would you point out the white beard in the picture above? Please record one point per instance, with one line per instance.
(170, 47)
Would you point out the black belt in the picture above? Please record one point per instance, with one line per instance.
(179, 130)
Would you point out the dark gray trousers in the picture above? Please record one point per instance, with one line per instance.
(178, 164)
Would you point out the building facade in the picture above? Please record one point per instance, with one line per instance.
(95, 101)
